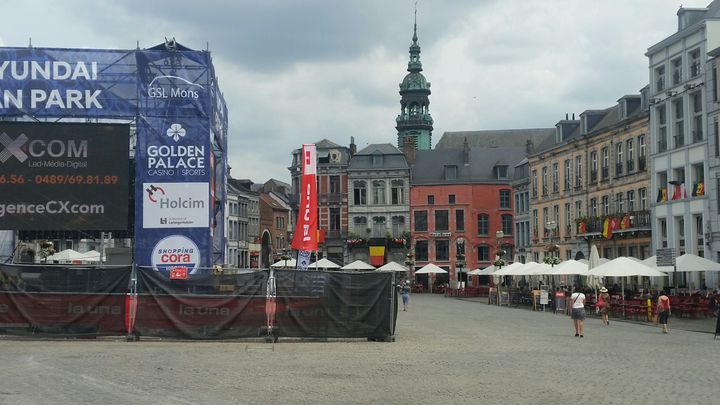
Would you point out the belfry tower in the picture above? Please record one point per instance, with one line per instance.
(414, 121)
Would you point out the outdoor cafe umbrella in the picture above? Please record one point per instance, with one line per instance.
(357, 265)
(324, 264)
(625, 267)
(690, 262)
(430, 269)
(393, 266)
(289, 263)
(67, 255)
(487, 271)
(92, 256)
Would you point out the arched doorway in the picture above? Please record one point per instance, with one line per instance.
(266, 250)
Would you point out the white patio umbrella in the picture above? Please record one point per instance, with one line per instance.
(690, 262)
(625, 267)
(570, 267)
(392, 266)
(487, 271)
(66, 255)
(430, 269)
(289, 263)
(92, 256)
(357, 265)
(323, 264)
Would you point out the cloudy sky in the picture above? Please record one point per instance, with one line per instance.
(298, 71)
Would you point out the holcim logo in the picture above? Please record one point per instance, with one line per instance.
(151, 192)
(175, 250)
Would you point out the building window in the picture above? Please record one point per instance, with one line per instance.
(544, 181)
(631, 200)
(659, 78)
(451, 199)
(641, 153)
(397, 194)
(451, 172)
(593, 166)
(398, 224)
(679, 135)
(359, 193)
(335, 184)
(421, 221)
(535, 223)
(642, 194)
(334, 219)
(421, 250)
(505, 199)
(697, 131)
(578, 172)
(501, 171)
(442, 250)
(379, 229)
(593, 207)
(676, 71)
(662, 128)
(360, 224)
(483, 224)
(377, 160)
(618, 159)
(534, 184)
(568, 219)
(279, 223)
(507, 224)
(606, 205)
(483, 253)
(568, 175)
(459, 220)
(431, 199)
(441, 220)
(619, 202)
(378, 192)
(695, 65)
(605, 163)
(630, 155)
(556, 178)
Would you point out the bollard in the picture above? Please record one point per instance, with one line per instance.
(649, 310)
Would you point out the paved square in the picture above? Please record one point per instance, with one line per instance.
(447, 351)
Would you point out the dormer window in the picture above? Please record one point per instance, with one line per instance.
(451, 172)
(501, 171)
(377, 160)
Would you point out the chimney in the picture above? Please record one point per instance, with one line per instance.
(409, 150)
(466, 152)
(529, 146)
(353, 147)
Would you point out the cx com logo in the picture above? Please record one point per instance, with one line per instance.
(12, 147)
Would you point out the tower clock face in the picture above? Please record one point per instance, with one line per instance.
(335, 155)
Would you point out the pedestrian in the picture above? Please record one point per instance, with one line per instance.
(578, 311)
(604, 305)
(405, 289)
(663, 309)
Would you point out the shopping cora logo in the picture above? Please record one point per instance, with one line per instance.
(175, 251)
(176, 205)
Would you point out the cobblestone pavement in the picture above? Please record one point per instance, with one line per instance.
(446, 351)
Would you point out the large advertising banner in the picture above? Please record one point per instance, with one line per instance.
(64, 176)
(174, 162)
(47, 82)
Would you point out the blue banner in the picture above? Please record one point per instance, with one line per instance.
(174, 201)
(46, 82)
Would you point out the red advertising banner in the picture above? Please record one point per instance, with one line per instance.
(305, 237)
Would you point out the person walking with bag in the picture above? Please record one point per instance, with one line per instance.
(663, 309)
(604, 305)
(578, 311)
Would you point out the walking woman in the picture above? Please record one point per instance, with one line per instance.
(663, 309)
(578, 311)
(604, 305)
(405, 289)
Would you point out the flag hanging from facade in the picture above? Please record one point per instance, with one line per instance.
(306, 235)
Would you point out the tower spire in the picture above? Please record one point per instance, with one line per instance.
(414, 38)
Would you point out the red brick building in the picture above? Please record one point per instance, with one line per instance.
(459, 200)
